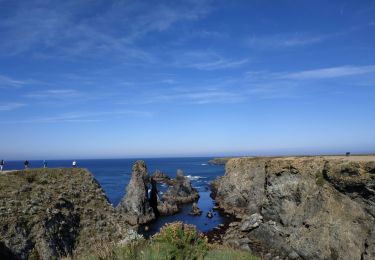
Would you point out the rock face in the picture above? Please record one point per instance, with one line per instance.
(135, 206)
(309, 208)
(166, 208)
(51, 213)
(160, 176)
(182, 191)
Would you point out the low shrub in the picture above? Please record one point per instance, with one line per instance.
(181, 241)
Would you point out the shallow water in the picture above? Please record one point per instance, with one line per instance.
(114, 175)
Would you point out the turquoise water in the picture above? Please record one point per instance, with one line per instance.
(114, 175)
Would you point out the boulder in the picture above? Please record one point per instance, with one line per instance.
(195, 211)
(166, 208)
(182, 191)
(251, 222)
(135, 207)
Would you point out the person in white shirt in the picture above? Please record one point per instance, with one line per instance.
(74, 164)
(1, 165)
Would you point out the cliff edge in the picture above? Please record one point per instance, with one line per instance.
(300, 208)
(51, 213)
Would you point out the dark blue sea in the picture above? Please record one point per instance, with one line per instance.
(114, 175)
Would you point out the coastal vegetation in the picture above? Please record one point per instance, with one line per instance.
(174, 241)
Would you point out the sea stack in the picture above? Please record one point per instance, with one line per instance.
(182, 191)
(135, 206)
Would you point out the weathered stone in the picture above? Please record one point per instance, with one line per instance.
(195, 211)
(135, 206)
(54, 222)
(182, 190)
(251, 222)
(160, 176)
(312, 208)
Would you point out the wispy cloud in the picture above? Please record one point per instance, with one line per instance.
(66, 30)
(198, 97)
(328, 73)
(82, 117)
(285, 40)
(206, 60)
(10, 106)
(55, 94)
(9, 82)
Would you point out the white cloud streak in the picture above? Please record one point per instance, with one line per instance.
(329, 73)
(82, 117)
(76, 28)
(286, 40)
(55, 94)
(10, 106)
(206, 60)
(9, 82)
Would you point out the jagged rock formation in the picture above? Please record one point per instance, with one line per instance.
(160, 176)
(166, 208)
(182, 191)
(135, 206)
(51, 213)
(308, 208)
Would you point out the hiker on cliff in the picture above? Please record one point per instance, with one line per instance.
(74, 164)
(44, 164)
(26, 163)
(1, 165)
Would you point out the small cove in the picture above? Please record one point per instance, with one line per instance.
(114, 175)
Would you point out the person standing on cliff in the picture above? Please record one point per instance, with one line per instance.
(1, 165)
(74, 164)
(44, 164)
(26, 163)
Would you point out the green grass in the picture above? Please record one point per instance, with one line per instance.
(176, 241)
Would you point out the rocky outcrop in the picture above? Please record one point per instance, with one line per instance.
(51, 213)
(135, 206)
(219, 160)
(308, 208)
(182, 191)
(160, 176)
(166, 208)
(195, 211)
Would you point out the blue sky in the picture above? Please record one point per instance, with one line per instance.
(115, 79)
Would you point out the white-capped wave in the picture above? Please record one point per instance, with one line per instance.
(195, 177)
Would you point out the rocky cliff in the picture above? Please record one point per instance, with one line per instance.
(49, 213)
(300, 208)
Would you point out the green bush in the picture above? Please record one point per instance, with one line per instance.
(181, 241)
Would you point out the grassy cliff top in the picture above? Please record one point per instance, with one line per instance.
(49, 212)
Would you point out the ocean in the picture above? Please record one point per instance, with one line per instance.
(114, 175)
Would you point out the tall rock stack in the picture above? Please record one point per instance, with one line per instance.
(135, 206)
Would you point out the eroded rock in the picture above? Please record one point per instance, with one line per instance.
(182, 191)
(195, 211)
(49, 220)
(309, 208)
(135, 207)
